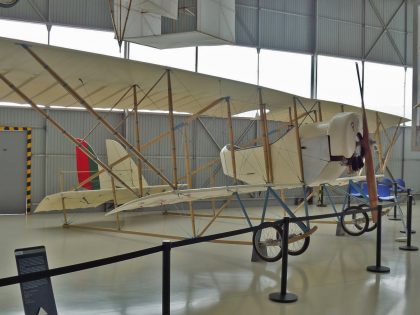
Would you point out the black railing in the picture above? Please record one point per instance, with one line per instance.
(167, 246)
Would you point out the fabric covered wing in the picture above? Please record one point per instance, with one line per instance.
(178, 196)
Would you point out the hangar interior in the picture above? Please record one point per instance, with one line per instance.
(329, 278)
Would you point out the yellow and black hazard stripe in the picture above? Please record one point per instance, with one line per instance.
(28, 160)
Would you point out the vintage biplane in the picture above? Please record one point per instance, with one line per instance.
(321, 139)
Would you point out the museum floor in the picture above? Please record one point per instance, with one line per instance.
(329, 278)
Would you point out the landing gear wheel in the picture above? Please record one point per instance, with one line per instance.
(267, 243)
(300, 246)
(354, 224)
(371, 226)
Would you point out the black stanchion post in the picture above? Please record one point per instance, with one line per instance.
(394, 217)
(409, 204)
(378, 268)
(283, 296)
(166, 278)
(409, 247)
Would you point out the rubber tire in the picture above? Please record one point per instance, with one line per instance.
(362, 230)
(302, 249)
(370, 227)
(256, 239)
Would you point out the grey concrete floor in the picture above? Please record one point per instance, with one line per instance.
(329, 278)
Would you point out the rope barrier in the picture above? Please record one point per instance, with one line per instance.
(152, 250)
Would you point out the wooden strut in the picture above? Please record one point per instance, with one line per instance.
(118, 32)
(232, 217)
(99, 117)
(137, 130)
(385, 132)
(219, 211)
(139, 102)
(391, 145)
(319, 111)
(213, 201)
(125, 21)
(303, 202)
(64, 132)
(189, 178)
(379, 143)
(175, 237)
(163, 236)
(298, 144)
(231, 140)
(114, 197)
(62, 199)
(266, 145)
(172, 130)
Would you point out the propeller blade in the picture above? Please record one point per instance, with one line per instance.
(369, 167)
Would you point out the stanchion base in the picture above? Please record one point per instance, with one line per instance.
(256, 258)
(409, 248)
(283, 298)
(378, 269)
(392, 218)
(412, 231)
(339, 230)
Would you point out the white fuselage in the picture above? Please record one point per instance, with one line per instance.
(325, 147)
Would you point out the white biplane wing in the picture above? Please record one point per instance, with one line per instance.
(186, 195)
(106, 78)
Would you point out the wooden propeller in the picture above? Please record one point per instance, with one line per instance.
(370, 170)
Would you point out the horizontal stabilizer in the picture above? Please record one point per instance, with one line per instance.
(92, 198)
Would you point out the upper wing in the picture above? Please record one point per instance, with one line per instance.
(92, 198)
(178, 196)
(109, 77)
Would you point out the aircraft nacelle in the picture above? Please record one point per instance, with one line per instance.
(328, 148)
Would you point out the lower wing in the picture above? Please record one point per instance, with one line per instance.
(186, 195)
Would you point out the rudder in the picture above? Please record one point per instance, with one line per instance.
(86, 167)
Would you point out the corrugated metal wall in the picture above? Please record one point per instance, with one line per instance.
(342, 28)
(53, 153)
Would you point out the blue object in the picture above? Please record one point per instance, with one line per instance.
(400, 185)
(365, 189)
(354, 192)
(387, 181)
(385, 192)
